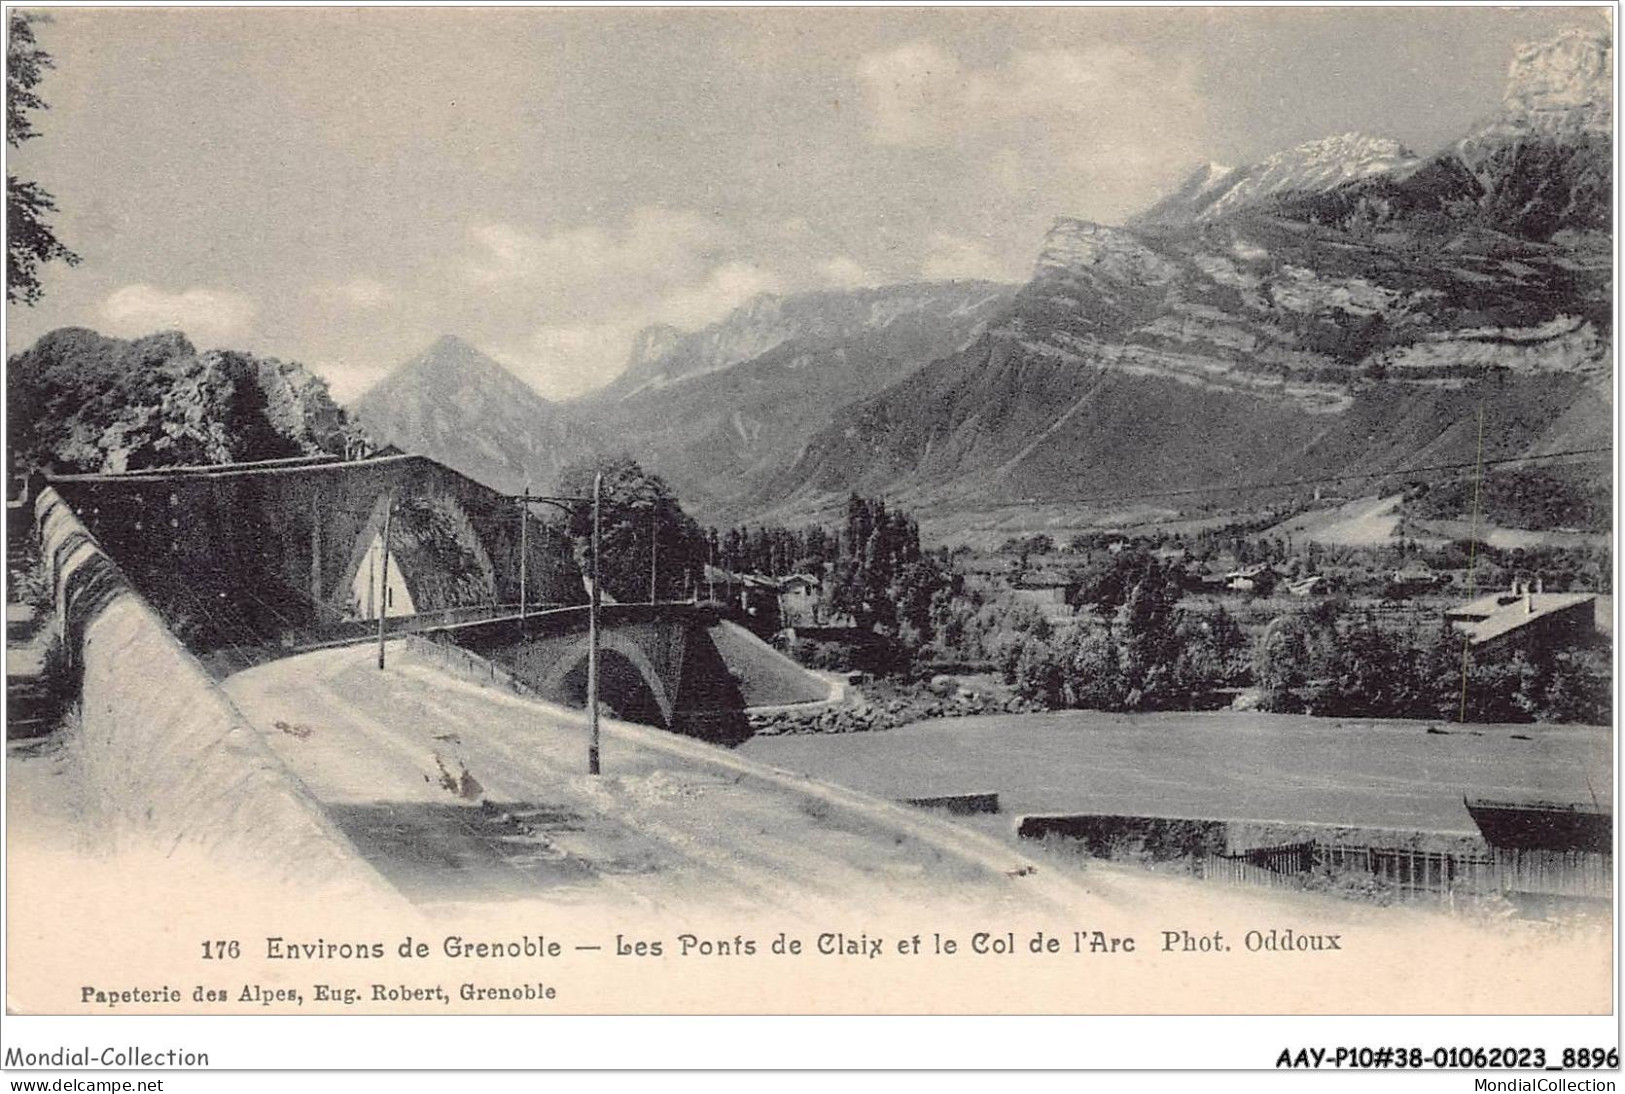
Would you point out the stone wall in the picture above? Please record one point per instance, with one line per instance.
(163, 761)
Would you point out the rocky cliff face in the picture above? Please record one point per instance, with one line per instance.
(80, 401)
(651, 345)
(1345, 306)
(1563, 85)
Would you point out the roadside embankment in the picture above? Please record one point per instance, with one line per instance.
(159, 758)
(795, 833)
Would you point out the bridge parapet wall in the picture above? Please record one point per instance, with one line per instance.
(163, 758)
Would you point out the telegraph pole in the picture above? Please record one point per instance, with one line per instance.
(654, 545)
(383, 578)
(524, 546)
(571, 506)
(592, 635)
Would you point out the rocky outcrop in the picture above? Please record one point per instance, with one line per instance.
(1316, 166)
(1562, 85)
(1078, 247)
(1542, 165)
(79, 401)
(651, 344)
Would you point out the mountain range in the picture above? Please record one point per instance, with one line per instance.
(1343, 307)
(1346, 306)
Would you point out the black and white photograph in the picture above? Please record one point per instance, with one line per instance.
(675, 511)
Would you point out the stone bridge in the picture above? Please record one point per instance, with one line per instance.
(658, 664)
(247, 562)
(288, 552)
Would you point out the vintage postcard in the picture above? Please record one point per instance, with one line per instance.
(1094, 511)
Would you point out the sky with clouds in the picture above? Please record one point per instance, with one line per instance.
(341, 186)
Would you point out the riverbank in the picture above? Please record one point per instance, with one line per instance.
(1222, 765)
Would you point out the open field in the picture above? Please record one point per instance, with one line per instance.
(1241, 766)
(1363, 522)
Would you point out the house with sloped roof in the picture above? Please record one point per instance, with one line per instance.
(1523, 617)
(801, 600)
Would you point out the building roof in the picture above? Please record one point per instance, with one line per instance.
(1043, 579)
(1484, 606)
(729, 577)
(1499, 614)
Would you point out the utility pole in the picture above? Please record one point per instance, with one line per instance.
(654, 545)
(383, 578)
(592, 635)
(524, 546)
(316, 559)
(571, 506)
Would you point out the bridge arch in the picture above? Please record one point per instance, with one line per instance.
(433, 549)
(572, 661)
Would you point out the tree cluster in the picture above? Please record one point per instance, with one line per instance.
(1335, 662)
(649, 547)
(1146, 653)
(1541, 498)
(30, 240)
(77, 401)
(773, 550)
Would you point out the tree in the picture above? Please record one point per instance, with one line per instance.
(641, 524)
(30, 242)
(1281, 664)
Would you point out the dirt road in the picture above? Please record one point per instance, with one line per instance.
(461, 793)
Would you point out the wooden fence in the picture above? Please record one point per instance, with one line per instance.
(1420, 875)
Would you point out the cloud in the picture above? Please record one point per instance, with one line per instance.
(654, 248)
(348, 380)
(912, 93)
(363, 293)
(593, 287)
(950, 257)
(722, 290)
(1099, 124)
(206, 315)
(566, 359)
(843, 272)
(919, 95)
(563, 361)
